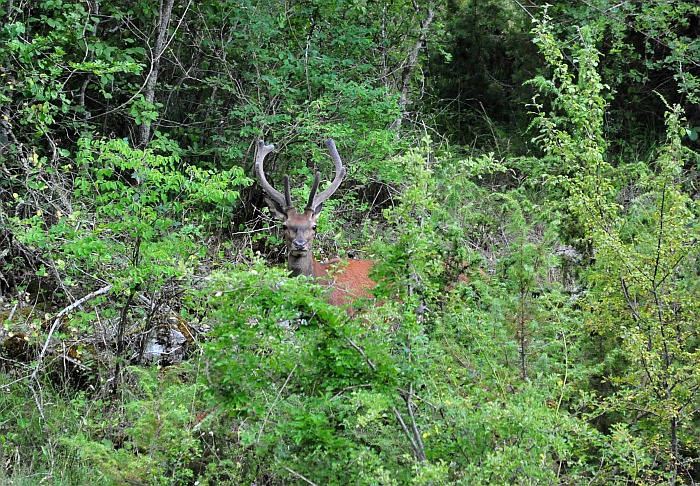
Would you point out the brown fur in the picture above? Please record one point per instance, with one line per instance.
(349, 279)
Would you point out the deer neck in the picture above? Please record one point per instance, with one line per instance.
(304, 265)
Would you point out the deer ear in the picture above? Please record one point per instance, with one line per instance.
(316, 212)
(276, 209)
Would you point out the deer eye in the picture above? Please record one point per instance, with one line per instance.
(313, 227)
(284, 226)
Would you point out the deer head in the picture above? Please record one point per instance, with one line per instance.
(299, 228)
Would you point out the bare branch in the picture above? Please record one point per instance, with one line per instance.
(57, 322)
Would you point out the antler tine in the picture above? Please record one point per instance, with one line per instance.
(310, 206)
(273, 193)
(339, 175)
(287, 193)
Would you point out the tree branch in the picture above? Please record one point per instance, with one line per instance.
(57, 321)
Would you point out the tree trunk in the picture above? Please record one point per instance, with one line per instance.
(411, 65)
(166, 8)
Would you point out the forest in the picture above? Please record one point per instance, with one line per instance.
(521, 181)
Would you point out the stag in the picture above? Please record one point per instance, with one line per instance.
(349, 279)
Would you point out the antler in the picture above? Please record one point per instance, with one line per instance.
(310, 206)
(284, 201)
(315, 201)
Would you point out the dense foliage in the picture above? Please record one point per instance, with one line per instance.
(525, 176)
